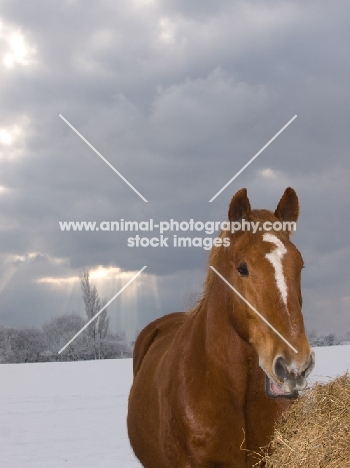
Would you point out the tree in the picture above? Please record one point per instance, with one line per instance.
(102, 330)
(329, 340)
(98, 329)
(115, 346)
(26, 345)
(58, 331)
(313, 338)
(322, 340)
(5, 345)
(103, 324)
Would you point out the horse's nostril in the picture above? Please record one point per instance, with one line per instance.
(281, 369)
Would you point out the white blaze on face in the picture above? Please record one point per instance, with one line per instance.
(275, 258)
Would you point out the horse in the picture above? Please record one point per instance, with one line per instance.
(210, 383)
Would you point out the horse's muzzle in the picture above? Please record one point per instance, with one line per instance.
(289, 380)
(273, 391)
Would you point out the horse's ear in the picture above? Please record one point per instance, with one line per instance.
(239, 207)
(288, 206)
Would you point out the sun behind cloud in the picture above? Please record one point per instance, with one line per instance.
(17, 49)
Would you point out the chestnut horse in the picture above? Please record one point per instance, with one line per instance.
(210, 383)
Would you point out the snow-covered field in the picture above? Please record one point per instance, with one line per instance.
(74, 414)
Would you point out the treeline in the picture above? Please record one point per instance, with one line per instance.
(96, 341)
(327, 340)
(35, 345)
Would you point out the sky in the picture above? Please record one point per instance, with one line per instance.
(178, 96)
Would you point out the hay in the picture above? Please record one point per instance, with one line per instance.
(315, 432)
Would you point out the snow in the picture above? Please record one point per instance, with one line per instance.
(331, 361)
(74, 414)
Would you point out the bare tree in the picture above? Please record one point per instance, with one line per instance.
(5, 345)
(98, 329)
(26, 345)
(103, 325)
(58, 331)
(102, 330)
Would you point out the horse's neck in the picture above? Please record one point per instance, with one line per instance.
(212, 330)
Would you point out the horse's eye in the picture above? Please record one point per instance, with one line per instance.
(243, 269)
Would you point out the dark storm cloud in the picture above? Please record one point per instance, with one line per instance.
(178, 96)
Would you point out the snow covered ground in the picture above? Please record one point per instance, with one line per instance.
(74, 414)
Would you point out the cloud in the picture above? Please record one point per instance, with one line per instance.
(178, 96)
(14, 48)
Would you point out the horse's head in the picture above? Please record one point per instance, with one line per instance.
(265, 268)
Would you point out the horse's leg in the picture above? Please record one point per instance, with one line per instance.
(204, 447)
(143, 424)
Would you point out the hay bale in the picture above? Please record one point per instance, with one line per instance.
(315, 432)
